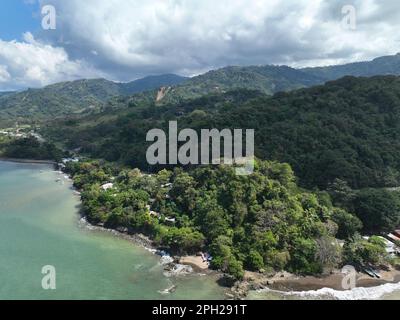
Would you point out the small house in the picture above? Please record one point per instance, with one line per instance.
(107, 186)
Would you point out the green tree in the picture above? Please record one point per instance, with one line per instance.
(360, 252)
(378, 209)
(348, 223)
(254, 261)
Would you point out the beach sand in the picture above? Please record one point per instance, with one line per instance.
(194, 261)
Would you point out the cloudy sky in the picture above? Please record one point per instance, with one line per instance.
(123, 40)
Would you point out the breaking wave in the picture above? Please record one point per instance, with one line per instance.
(371, 293)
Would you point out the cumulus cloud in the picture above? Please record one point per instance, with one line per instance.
(31, 63)
(127, 39)
(133, 38)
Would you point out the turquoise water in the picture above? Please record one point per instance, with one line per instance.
(39, 226)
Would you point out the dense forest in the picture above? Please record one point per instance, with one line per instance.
(347, 129)
(261, 222)
(74, 97)
(329, 170)
(387, 65)
(29, 148)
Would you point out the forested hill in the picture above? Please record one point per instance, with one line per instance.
(4, 93)
(272, 79)
(266, 79)
(348, 129)
(388, 65)
(150, 83)
(88, 96)
(75, 97)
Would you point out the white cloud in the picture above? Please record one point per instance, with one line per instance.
(4, 75)
(126, 39)
(134, 37)
(31, 63)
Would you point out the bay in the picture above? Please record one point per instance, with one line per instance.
(39, 226)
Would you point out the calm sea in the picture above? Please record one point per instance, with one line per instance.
(39, 226)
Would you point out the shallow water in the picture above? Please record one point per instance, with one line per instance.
(39, 226)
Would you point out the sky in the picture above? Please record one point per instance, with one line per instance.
(123, 40)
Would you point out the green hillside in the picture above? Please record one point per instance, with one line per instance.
(388, 65)
(266, 79)
(347, 129)
(272, 79)
(90, 96)
(75, 97)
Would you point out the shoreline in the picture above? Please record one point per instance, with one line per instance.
(282, 281)
(174, 266)
(32, 161)
(137, 239)
(194, 262)
(287, 283)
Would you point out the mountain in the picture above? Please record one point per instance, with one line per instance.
(388, 65)
(347, 129)
(150, 83)
(58, 99)
(266, 79)
(88, 96)
(4, 93)
(272, 79)
(74, 97)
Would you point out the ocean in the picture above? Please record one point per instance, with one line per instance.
(39, 226)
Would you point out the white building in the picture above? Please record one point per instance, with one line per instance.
(107, 186)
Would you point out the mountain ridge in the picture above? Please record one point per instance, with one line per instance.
(74, 97)
(352, 123)
(92, 95)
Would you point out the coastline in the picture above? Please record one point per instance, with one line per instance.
(137, 239)
(287, 283)
(50, 162)
(173, 266)
(281, 281)
(194, 262)
(253, 281)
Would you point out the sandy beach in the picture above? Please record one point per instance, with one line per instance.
(194, 261)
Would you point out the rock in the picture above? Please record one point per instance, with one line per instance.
(177, 270)
(165, 260)
(122, 229)
(256, 286)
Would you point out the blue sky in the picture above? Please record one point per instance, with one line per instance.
(123, 40)
(17, 17)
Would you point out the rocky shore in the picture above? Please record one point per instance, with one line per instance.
(138, 239)
(253, 281)
(287, 282)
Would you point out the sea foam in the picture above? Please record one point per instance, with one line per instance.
(359, 293)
